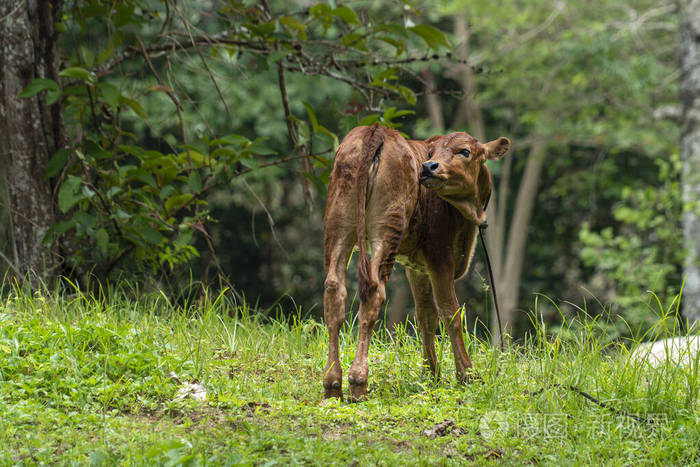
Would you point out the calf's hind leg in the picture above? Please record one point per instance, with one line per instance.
(384, 246)
(338, 247)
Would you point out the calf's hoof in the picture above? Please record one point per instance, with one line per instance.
(333, 389)
(357, 389)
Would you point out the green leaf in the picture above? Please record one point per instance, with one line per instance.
(93, 149)
(143, 176)
(194, 181)
(294, 25)
(196, 157)
(355, 40)
(392, 28)
(222, 152)
(431, 35)
(57, 230)
(230, 140)
(110, 93)
(176, 201)
(134, 105)
(57, 162)
(86, 55)
(348, 15)
(408, 94)
(151, 235)
(79, 73)
(250, 163)
(369, 119)
(38, 85)
(312, 115)
(256, 147)
(68, 194)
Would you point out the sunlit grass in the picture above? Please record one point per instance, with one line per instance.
(89, 379)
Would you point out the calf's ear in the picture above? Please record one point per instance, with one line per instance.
(496, 148)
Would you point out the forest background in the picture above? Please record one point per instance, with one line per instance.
(187, 144)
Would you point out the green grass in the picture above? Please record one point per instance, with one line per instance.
(87, 380)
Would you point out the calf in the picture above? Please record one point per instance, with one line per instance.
(418, 202)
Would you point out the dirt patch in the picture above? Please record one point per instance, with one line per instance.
(447, 427)
(402, 446)
(250, 408)
(334, 432)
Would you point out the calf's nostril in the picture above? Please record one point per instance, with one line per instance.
(429, 168)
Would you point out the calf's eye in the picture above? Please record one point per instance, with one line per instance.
(464, 152)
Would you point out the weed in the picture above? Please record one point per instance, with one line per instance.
(90, 380)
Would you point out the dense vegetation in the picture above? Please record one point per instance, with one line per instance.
(99, 380)
(198, 139)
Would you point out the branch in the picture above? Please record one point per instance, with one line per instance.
(167, 90)
(201, 57)
(300, 149)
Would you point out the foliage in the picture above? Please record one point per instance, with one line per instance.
(646, 252)
(124, 194)
(88, 379)
(590, 79)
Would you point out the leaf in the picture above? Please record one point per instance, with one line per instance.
(79, 73)
(232, 139)
(256, 147)
(369, 119)
(38, 85)
(143, 176)
(196, 157)
(110, 93)
(176, 201)
(250, 163)
(222, 152)
(68, 194)
(312, 115)
(348, 15)
(57, 230)
(194, 181)
(393, 28)
(151, 235)
(86, 55)
(355, 40)
(57, 162)
(408, 94)
(294, 25)
(135, 106)
(93, 149)
(431, 35)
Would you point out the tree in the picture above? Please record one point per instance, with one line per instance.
(30, 131)
(559, 81)
(690, 153)
(126, 195)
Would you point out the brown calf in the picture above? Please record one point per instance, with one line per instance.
(375, 201)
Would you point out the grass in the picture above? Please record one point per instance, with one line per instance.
(86, 380)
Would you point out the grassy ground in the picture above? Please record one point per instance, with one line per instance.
(89, 381)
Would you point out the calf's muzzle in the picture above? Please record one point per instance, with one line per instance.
(428, 169)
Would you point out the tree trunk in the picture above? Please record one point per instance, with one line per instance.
(507, 260)
(468, 111)
(30, 131)
(690, 153)
(432, 101)
(510, 272)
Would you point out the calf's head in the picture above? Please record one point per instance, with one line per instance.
(456, 171)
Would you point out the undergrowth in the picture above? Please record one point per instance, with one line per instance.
(96, 380)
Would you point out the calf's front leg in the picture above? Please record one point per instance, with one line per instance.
(426, 317)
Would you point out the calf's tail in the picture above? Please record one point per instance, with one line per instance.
(372, 143)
